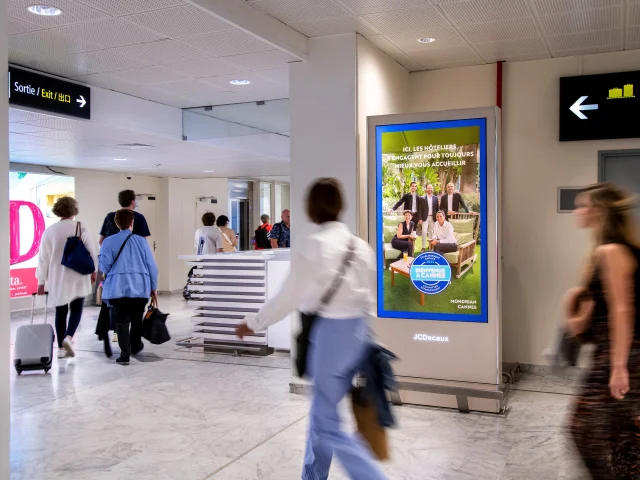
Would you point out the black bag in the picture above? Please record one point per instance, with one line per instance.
(76, 256)
(186, 293)
(308, 319)
(154, 327)
(262, 238)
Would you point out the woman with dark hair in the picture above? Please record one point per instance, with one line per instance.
(606, 312)
(208, 238)
(131, 279)
(340, 334)
(404, 238)
(67, 288)
(229, 239)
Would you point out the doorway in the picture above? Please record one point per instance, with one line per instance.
(622, 168)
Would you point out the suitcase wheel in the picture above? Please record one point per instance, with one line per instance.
(46, 370)
(19, 370)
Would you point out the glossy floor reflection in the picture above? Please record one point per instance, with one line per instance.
(179, 414)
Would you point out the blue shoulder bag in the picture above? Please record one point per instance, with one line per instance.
(76, 256)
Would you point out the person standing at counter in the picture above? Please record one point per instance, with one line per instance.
(444, 240)
(208, 238)
(340, 335)
(280, 235)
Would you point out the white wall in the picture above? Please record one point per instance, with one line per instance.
(4, 246)
(542, 248)
(383, 89)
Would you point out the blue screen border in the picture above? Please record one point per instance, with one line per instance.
(473, 122)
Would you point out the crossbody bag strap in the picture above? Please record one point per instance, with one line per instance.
(337, 281)
(120, 251)
(78, 229)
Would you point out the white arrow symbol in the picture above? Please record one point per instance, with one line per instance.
(83, 102)
(578, 107)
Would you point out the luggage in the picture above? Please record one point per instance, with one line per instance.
(34, 344)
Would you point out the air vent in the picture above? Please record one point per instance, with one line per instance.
(133, 146)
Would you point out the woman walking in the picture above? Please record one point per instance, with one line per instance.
(67, 288)
(229, 239)
(131, 279)
(340, 334)
(606, 312)
(208, 238)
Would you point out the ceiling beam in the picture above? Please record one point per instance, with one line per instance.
(262, 26)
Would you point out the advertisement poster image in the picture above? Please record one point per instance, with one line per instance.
(31, 198)
(432, 265)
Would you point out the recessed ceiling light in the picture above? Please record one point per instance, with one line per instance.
(119, 159)
(44, 10)
(426, 40)
(239, 82)
(208, 171)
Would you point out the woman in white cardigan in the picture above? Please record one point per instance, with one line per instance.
(67, 288)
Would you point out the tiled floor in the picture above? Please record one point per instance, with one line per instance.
(179, 414)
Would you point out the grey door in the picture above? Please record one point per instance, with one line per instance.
(621, 167)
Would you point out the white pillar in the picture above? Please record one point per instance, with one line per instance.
(5, 330)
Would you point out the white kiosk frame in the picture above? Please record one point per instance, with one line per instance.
(465, 372)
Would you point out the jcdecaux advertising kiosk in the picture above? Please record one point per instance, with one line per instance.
(434, 222)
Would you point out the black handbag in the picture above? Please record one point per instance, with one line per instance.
(154, 326)
(308, 319)
(76, 256)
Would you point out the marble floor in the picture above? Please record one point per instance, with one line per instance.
(181, 414)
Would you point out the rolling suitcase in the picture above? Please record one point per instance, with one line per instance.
(34, 344)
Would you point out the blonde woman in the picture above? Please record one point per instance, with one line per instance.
(605, 424)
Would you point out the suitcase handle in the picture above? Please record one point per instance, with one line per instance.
(33, 306)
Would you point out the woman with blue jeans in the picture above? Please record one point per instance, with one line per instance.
(339, 337)
(131, 279)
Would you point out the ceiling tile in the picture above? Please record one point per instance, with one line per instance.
(262, 60)
(454, 64)
(275, 92)
(256, 82)
(46, 43)
(207, 67)
(586, 51)
(582, 21)
(72, 12)
(103, 61)
(189, 88)
(445, 37)
(361, 7)
(149, 75)
(495, 51)
(415, 20)
(550, 7)
(110, 32)
(18, 26)
(215, 98)
(291, 11)
(107, 81)
(633, 34)
(128, 7)
(183, 21)
(278, 75)
(234, 42)
(333, 26)
(497, 31)
(577, 41)
(58, 66)
(394, 52)
(163, 52)
(21, 58)
(633, 15)
(444, 55)
(481, 11)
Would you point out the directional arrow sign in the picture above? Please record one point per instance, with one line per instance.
(83, 102)
(578, 107)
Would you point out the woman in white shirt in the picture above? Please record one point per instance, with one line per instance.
(67, 288)
(444, 241)
(340, 334)
(208, 238)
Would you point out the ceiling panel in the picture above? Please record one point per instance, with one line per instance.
(443, 55)
(18, 26)
(73, 12)
(149, 75)
(183, 21)
(586, 40)
(481, 11)
(190, 88)
(586, 51)
(409, 41)
(333, 26)
(128, 7)
(417, 20)
(163, 52)
(278, 75)
(222, 44)
(205, 67)
(111, 32)
(495, 51)
(262, 61)
(103, 61)
(361, 7)
(550, 7)
(292, 11)
(498, 31)
(582, 21)
(46, 43)
(57, 66)
(256, 82)
(633, 15)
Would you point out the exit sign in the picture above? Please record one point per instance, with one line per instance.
(596, 107)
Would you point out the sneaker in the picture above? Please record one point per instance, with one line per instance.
(122, 361)
(114, 337)
(66, 344)
(62, 353)
(138, 350)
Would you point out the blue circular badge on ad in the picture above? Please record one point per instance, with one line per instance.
(430, 273)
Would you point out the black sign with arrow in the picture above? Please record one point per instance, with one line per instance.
(595, 107)
(47, 93)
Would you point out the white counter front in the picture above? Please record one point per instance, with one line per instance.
(225, 287)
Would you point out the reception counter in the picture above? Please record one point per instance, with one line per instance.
(226, 287)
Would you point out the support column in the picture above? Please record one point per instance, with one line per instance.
(5, 330)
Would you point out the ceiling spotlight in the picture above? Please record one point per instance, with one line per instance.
(426, 40)
(119, 159)
(208, 171)
(239, 82)
(44, 10)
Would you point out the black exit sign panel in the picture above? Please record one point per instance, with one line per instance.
(45, 93)
(595, 107)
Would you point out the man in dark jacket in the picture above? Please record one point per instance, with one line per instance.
(452, 202)
(412, 202)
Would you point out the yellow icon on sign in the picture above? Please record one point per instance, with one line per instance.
(626, 92)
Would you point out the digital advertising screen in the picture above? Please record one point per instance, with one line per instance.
(431, 231)
(31, 198)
